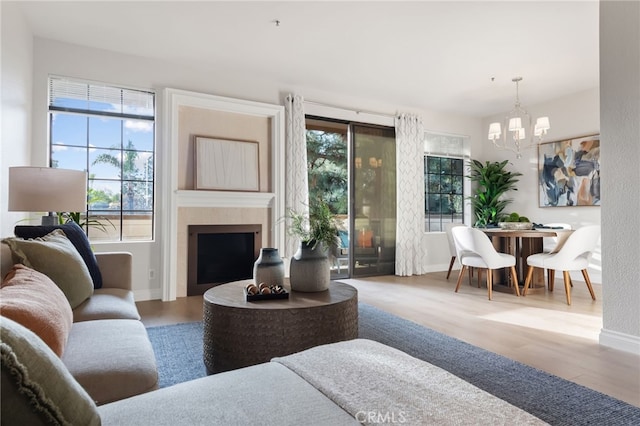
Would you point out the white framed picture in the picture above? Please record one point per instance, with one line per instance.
(226, 165)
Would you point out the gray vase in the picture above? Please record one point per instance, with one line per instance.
(269, 267)
(310, 269)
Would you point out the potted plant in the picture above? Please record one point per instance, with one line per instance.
(84, 223)
(493, 182)
(318, 232)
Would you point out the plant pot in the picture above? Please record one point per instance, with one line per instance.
(269, 267)
(310, 270)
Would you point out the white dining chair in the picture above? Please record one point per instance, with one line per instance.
(573, 256)
(550, 244)
(474, 250)
(452, 244)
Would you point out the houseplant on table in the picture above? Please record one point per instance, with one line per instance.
(318, 233)
(493, 182)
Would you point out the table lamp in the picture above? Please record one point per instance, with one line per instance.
(46, 189)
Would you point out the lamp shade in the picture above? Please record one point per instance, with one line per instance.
(515, 123)
(543, 123)
(45, 189)
(494, 130)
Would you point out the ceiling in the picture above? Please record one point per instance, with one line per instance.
(456, 57)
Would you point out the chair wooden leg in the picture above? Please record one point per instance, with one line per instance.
(527, 281)
(490, 282)
(479, 277)
(453, 259)
(567, 285)
(585, 274)
(551, 278)
(516, 284)
(462, 269)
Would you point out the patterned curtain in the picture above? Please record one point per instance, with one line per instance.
(296, 186)
(410, 255)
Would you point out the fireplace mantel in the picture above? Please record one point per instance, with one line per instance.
(190, 198)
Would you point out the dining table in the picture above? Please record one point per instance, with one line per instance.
(522, 243)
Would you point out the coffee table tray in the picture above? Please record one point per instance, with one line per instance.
(261, 297)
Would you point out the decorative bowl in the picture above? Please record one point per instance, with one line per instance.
(516, 226)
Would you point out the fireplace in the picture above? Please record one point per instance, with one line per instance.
(220, 254)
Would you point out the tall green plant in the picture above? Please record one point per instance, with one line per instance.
(493, 182)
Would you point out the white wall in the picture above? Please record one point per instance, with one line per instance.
(570, 116)
(620, 99)
(15, 121)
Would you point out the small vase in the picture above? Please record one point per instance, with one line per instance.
(269, 267)
(310, 270)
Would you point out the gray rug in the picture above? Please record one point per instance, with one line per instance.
(557, 401)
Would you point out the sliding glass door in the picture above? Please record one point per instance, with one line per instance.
(353, 167)
(374, 200)
(328, 166)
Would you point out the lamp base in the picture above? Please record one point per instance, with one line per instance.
(49, 220)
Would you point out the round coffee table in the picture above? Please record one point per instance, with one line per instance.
(238, 333)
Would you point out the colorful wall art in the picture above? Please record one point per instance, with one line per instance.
(569, 172)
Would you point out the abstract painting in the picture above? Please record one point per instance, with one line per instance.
(569, 172)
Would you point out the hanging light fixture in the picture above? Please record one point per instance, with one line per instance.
(517, 127)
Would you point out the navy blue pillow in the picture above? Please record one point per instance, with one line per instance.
(78, 238)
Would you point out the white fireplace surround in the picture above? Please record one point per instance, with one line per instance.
(174, 198)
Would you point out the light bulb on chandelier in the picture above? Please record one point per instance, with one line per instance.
(517, 125)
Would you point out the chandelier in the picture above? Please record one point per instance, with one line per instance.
(518, 126)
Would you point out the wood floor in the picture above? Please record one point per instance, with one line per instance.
(539, 330)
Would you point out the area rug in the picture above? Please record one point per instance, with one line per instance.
(178, 350)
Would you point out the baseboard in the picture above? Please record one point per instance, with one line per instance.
(621, 341)
(147, 294)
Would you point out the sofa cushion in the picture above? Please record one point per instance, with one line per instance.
(57, 258)
(107, 303)
(77, 237)
(36, 387)
(265, 394)
(112, 359)
(33, 300)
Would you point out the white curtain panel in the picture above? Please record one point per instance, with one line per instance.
(296, 186)
(410, 253)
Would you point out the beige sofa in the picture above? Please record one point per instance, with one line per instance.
(107, 349)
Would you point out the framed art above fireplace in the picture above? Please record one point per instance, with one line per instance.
(226, 165)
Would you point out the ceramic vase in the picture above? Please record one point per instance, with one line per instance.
(310, 269)
(269, 267)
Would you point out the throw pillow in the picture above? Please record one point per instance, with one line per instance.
(57, 258)
(33, 300)
(36, 386)
(76, 235)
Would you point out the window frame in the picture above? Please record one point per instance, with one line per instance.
(449, 146)
(110, 216)
(455, 216)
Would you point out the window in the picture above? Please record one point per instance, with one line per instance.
(444, 192)
(444, 180)
(109, 132)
